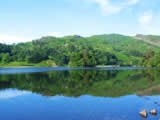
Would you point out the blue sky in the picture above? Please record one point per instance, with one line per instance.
(24, 20)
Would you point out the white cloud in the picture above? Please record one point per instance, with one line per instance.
(149, 23)
(9, 39)
(146, 18)
(57, 34)
(132, 2)
(108, 8)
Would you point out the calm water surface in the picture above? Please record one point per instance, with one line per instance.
(78, 94)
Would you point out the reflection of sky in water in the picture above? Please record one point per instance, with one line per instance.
(34, 69)
(11, 93)
(29, 106)
(45, 69)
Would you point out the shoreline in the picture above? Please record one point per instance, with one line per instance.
(110, 66)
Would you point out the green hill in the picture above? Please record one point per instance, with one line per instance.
(107, 49)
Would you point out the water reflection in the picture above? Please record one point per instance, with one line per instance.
(79, 94)
(74, 83)
(11, 93)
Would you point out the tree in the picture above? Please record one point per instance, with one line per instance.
(5, 58)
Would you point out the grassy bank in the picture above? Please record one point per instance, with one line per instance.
(16, 64)
(107, 65)
(47, 63)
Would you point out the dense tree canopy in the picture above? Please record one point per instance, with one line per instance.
(151, 59)
(76, 51)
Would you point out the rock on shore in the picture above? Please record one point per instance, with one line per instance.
(143, 113)
(153, 112)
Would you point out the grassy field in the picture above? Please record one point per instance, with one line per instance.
(16, 64)
(47, 63)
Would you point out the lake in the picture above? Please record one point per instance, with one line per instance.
(63, 93)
